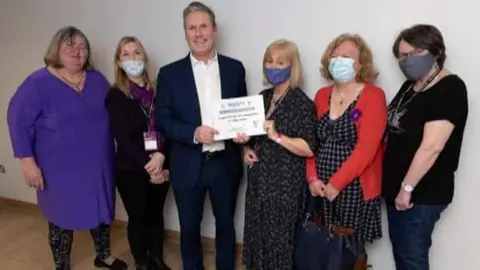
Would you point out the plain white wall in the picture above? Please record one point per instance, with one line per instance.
(245, 29)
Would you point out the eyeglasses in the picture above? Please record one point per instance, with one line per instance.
(411, 53)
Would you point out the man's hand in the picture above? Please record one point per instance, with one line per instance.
(204, 134)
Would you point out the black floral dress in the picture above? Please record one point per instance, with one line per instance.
(277, 186)
(337, 139)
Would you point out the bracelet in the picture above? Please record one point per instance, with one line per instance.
(279, 138)
(312, 179)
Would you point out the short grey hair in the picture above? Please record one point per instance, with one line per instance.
(199, 7)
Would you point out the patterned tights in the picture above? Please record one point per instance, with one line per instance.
(61, 244)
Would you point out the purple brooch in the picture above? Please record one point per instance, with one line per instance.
(354, 114)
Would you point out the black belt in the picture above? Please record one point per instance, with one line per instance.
(211, 155)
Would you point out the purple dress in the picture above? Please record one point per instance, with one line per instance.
(68, 135)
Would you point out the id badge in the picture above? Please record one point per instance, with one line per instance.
(150, 139)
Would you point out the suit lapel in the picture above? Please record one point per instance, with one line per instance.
(191, 88)
(224, 77)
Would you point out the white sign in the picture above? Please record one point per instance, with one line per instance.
(239, 115)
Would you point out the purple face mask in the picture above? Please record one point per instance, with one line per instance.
(276, 76)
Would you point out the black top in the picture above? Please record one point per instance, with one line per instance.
(128, 122)
(446, 100)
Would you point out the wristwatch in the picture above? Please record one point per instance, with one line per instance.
(407, 188)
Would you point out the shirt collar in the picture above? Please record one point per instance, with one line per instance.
(195, 61)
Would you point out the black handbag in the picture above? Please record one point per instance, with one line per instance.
(318, 247)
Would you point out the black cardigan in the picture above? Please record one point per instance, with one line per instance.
(128, 122)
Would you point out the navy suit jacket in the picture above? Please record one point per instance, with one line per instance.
(178, 115)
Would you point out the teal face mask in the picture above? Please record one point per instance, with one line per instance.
(342, 69)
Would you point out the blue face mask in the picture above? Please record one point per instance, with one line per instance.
(276, 76)
(342, 69)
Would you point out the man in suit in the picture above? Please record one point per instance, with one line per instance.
(186, 91)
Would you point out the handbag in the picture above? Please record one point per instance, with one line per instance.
(321, 247)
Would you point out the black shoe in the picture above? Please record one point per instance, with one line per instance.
(158, 263)
(116, 265)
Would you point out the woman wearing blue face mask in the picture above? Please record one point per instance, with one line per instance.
(276, 190)
(141, 169)
(426, 121)
(345, 172)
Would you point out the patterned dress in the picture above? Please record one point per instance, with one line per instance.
(277, 187)
(337, 139)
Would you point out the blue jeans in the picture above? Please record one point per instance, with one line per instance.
(411, 235)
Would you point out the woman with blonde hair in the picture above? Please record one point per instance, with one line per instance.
(141, 169)
(277, 189)
(352, 116)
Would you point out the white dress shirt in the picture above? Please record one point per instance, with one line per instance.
(207, 82)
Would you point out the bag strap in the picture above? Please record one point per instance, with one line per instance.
(333, 211)
(316, 204)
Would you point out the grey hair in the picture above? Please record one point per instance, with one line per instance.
(199, 7)
(63, 35)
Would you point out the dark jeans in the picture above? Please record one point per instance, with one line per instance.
(222, 189)
(411, 235)
(144, 204)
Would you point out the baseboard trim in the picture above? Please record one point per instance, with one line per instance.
(171, 236)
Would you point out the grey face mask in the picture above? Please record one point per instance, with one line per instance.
(415, 67)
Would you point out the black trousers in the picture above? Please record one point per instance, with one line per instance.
(61, 244)
(144, 204)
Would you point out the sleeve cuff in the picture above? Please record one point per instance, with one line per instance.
(312, 179)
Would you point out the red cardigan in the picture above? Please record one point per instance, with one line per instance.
(367, 156)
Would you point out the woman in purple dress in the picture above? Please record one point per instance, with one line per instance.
(59, 130)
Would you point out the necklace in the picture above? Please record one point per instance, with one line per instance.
(75, 85)
(342, 95)
(395, 114)
(275, 102)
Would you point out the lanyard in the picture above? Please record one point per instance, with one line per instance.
(270, 112)
(396, 112)
(416, 92)
(148, 114)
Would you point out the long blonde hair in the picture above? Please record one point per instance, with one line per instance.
(121, 78)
